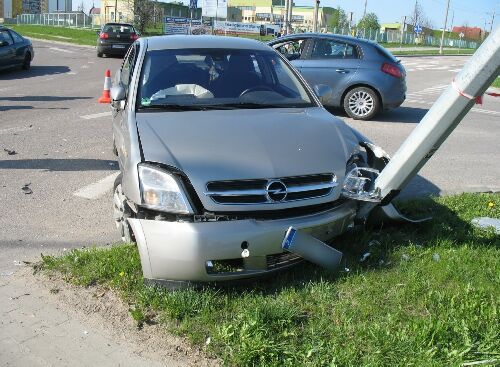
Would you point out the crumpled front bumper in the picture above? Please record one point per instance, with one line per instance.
(184, 251)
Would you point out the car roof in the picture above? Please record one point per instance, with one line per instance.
(113, 23)
(324, 35)
(203, 41)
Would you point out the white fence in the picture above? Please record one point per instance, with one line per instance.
(76, 20)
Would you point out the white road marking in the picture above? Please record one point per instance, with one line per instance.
(96, 115)
(474, 109)
(488, 112)
(84, 66)
(71, 73)
(97, 189)
(14, 130)
(60, 50)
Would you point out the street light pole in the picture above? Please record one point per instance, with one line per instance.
(444, 28)
(364, 12)
(492, 20)
(315, 20)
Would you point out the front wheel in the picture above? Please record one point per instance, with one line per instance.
(121, 212)
(361, 103)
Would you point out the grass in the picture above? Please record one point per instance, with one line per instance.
(496, 83)
(427, 296)
(71, 35)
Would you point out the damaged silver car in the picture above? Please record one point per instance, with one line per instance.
(223, 149)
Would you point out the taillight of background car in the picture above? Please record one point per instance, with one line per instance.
(134, 36)
(103, 35)
(391, 70)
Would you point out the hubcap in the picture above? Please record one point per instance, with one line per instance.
(361, 103)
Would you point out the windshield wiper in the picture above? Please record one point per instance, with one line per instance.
(175, 107)
(253, 105)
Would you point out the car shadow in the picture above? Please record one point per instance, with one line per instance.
(405, 114)
(62, 165)
(34, 71)
(41, 98)
(7, 108)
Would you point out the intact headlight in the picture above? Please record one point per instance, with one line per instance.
(162, 191)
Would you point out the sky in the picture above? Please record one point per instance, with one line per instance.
(470, 12)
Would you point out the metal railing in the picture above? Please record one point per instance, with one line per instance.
(407, 38)
(76, 20)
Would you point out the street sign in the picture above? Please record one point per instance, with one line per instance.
(193, 4)
(214, 8)
(418, 29)
(461, 35)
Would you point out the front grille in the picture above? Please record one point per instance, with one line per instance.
(276, 190)
(279, 260)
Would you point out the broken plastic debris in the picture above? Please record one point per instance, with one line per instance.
(17, 263)
(436, 257)
(405, 257)
(10, 152)
(85, 332)
(364, 257)
(487, 222)
(207, 342)
(26, 189)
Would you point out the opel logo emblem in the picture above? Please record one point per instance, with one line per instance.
(276, 190)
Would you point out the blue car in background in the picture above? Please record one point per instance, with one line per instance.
(15, 50)
(364, 76)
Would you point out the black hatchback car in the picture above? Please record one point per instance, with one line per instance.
(115, 39)
(15, 50)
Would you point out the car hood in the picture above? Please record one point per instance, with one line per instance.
(247, 144)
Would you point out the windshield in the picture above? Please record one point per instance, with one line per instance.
(217, 79)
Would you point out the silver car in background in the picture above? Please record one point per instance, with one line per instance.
(364, 76)
(222, 147)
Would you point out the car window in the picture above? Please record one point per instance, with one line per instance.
(218, 77)
(385, 53)
(118, 29)
(128, 67)
(5, 37)
(292, 49)
(332, 49)
(17, 38)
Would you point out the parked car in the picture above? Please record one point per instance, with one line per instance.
(115, 39)
(364, 76)
(221, 148)
(15, 50)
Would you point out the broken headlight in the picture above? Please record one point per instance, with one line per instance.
(160, 190)
(359, 182)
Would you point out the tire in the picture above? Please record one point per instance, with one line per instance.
(361, 103)
(121, 212)
(99, 54)
(27, 61)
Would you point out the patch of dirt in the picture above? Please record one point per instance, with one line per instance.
(103, 310)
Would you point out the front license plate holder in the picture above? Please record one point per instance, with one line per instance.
(311, 249)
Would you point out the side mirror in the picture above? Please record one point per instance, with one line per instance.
(118, 96)
(4, 43)
(324, 92)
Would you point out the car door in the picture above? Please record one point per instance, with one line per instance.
(332, 62)
(7, 51)
(120, 115)
(20, 46)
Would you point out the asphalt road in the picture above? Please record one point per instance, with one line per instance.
(49, 115)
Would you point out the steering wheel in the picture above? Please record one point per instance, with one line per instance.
(256, 89)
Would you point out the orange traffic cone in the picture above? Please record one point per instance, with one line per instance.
(105, 98)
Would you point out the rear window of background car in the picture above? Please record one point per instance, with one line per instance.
(115, 28)
(4, 36)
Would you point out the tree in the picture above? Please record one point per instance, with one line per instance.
(418, 17)
(369, 21)
(339, 19)
(143, 11)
